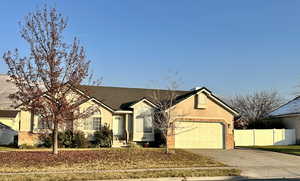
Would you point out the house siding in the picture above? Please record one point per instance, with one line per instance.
(106, 118)
(138, 110)
(30, 136)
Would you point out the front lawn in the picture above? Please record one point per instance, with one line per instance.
(101, 159)
(122, 175)
(289, 149)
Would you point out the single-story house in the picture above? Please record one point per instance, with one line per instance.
(202, 120)
(289, 114)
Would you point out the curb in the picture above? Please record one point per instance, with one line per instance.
(231, 178)
(109, 171)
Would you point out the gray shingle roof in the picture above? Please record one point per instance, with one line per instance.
(6, 88)
(120, 98)
(8, 113)
(292, 107)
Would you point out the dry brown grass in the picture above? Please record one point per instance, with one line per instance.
(102, 159)
(123, 175)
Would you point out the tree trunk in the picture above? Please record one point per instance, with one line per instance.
(167, 141)
(167, 146)
(55, 139)
(169, 132)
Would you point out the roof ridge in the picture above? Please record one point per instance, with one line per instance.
(134, 88)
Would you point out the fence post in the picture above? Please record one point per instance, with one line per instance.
(253, 137)
(273, 136)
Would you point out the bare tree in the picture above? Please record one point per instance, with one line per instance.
(254, 107)
(164, 116)
(45, 78)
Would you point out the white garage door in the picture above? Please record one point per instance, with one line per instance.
(199, 135)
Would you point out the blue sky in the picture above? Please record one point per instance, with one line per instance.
(231, 47)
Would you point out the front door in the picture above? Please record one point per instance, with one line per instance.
(118, 125)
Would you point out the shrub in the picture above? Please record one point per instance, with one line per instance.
(266, 124)
(66, 139)
(46, 140)
(79, 140)
(159, 140)
(103, 138)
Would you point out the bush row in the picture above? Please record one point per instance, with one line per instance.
(78, 139)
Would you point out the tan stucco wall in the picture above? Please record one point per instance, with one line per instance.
(105, 114)
(26, 137)
(25, 118)
(186, 110)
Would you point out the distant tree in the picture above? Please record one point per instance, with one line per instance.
(254, 107)
(45, 77)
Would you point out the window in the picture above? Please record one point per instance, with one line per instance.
(147, 124)
(43, 124)
(96, 123)
(144, 123)
(93, 122)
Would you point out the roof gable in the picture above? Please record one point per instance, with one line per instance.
(212, 96)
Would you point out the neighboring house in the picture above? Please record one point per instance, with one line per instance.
(289, 114)
(7, 135)
(202, 121)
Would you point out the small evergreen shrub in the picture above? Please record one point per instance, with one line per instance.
(103, 138)
(79, 140)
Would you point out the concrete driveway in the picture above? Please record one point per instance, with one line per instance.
(257, 163)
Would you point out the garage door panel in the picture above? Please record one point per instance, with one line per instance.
(198, 135)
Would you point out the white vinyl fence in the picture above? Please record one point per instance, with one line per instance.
(264, 137)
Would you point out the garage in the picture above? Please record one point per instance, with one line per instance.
(199, 135)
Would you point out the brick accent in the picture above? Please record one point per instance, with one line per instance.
(28, 138)
(229, 139)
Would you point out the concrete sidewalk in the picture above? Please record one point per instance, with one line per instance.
(226, 178)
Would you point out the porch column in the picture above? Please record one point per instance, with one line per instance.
(126, 127)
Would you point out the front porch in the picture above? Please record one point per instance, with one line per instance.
(127, 129)
(122, 130)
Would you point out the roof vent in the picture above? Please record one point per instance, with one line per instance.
(196, 88)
